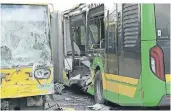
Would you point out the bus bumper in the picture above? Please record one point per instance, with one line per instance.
(17, 91)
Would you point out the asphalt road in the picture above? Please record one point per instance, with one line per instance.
(72, 99)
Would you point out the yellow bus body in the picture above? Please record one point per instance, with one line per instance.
(19, 82)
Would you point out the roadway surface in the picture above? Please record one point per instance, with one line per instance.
(71, 100)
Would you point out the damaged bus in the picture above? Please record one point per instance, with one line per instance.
(119, 52)
(78, 23)
(26, 67)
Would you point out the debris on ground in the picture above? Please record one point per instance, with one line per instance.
(58, 88)
(68, 99)
(95, 107)
(76, 77)
(4, 105)
(68, 109)
(85, 82)
(82, 82)
(51, 103)
(52, 106)
(101, 107)
(35, 101)
(73, 100)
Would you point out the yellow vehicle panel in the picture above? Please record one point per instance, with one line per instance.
(20, 83)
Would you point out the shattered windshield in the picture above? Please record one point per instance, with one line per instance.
(24, 35)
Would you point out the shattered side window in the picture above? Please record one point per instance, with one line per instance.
(24, 35)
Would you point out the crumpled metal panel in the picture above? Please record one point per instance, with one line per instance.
(24, 35)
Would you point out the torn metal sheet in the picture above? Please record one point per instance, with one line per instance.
(58, 88)
(100, 107)
(82, 82)
(86, 62)
(35, 101)
(76, 77)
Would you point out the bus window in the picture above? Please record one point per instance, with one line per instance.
(162, 13)
(130, 58)
(131, 26)
(111, 39)
(94, 36)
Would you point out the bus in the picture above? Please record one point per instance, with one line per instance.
(123, 50)
(26, 66)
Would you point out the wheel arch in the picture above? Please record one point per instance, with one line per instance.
(97, 68)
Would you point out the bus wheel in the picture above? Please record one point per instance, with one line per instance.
(98, 88)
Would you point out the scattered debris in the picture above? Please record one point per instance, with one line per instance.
(82, 82)
(67, 99)
(4, 105)
(71, 100)
(51, 103)
(96, 107)
(52, 106)
(85, 82)
(48, 98)
(76, 77)
(68, 109)
(101, 107)
(35, 101)
(88, 80)
(58, 88)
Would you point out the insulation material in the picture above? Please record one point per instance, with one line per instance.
(24, 35)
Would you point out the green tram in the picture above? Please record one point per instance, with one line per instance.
(130, 65)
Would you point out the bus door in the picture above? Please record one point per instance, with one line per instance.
(111, 65)
(129, 54)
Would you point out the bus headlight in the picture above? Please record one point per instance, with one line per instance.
(42, 73)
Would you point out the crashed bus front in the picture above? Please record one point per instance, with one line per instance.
(26, 67)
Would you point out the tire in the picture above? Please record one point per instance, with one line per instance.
(98, 88)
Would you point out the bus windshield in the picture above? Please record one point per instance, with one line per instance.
(24, 35)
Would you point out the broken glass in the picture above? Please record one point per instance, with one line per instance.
(24, 35)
